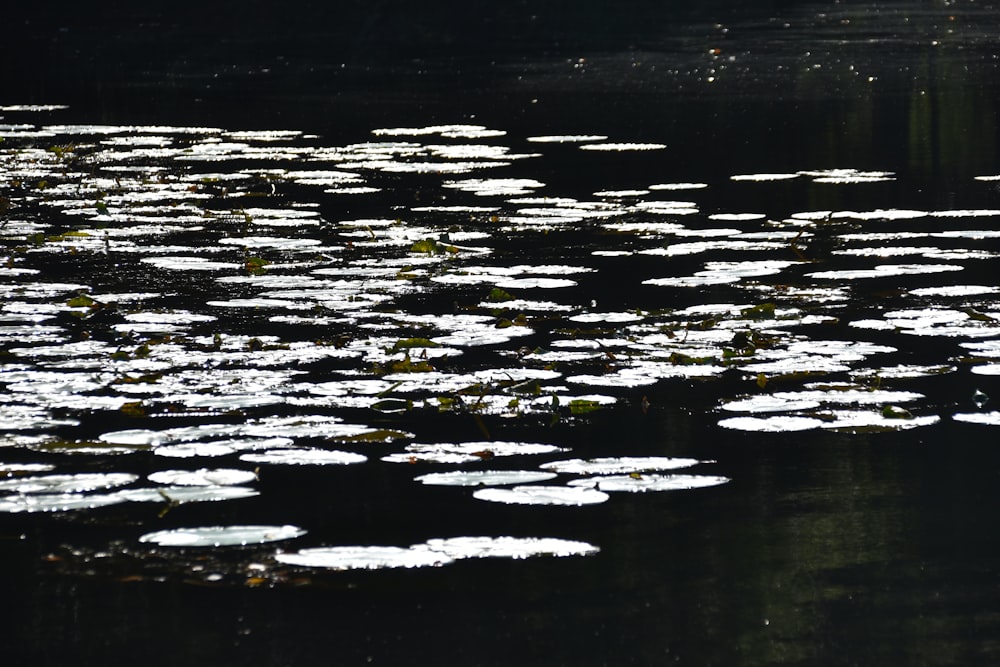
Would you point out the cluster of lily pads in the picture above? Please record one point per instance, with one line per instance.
(213, 293)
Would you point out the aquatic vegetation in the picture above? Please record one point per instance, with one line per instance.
(434, 553)
(176, 294)
(220, 536)
(636, 483)
(542, 495)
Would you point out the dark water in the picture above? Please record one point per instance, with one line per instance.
(863, 544)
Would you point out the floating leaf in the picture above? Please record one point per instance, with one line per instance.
(510, 547)
(185, 494)
(67, 483)
(484, 477)
(621, 464)
(642, 483)
(221, 536)
(771, 424)
(203, 477)
(304, 457)
(365, 558)
(57, 502)
(542, 495)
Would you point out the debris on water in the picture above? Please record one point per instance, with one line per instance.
(979, 398)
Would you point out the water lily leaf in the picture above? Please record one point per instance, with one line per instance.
(14, 469)
(510, 547)
(641, 483)
(987, 418)
(203, 477)
(484, 477)
(305, 457)
(189, 450)
(771, 424)
(764, 177)
(61, 484)
(468, 452)
(62, 502)
(542, 495)
(890, 418)
(623, 146)
(221, 536)
(365, 557)
(619, 464)
(566, 138)
(185, 494)
(884, 270)
(769, 403)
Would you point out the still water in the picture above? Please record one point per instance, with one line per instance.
(538, 336)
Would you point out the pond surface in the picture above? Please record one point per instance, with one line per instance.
(527, 336)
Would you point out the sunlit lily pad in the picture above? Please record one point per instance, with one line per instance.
(777, 424)
(769, 403)
(567, 138)
(621, 464)
(987, 418)
(468, 452)
(884, 271)
(761, 178)
(623, 146)
(12, 469)
(542, 495)
(889, 419)
(221, 536)
(510, 547)
(67, 483)
(62, 502)
(483, 477)
(365, 557)
(642, 483)
(304, 457)
(185, 494)
(203, 477)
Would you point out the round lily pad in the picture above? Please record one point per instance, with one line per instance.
(67, 483)
(484, 477)
(619, 464)
(542, 495)
(305, 457)
(219, 536)
(510, 547)
(640, 483)
(365, 557)
(203, 477)
(57, 502)
(771, 424)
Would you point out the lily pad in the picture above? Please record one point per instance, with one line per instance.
(61, 502)
(468, 452)
(484, 477)
(185, 494)
(510, 547)
(52, 484)
(641, 483)
(987, 418)
(304, 457)
(620, 464)
(365, 557)
(203, 477)
(542, 495)
(220, 536)
(771, 424)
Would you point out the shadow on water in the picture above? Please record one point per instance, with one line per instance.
(818, 330)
